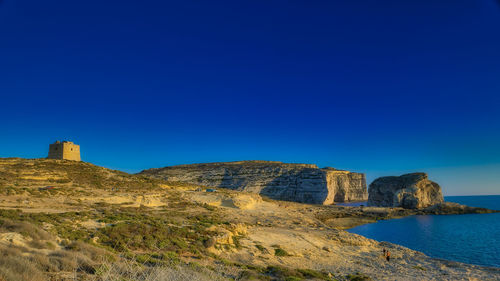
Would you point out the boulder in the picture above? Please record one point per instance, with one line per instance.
(410, 191)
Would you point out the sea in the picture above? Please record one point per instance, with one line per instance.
(472, 238)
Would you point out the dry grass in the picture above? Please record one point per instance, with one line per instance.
(24, 228)
(130, 270)
(18, 264)
(127, 243)
(41, 259)
(17, 173)
(16, 267)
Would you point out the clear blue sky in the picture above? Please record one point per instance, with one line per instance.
(381, 87)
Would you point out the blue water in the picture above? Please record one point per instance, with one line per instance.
(473, 239)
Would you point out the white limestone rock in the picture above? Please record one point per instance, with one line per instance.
(304, 183)
(410, 191)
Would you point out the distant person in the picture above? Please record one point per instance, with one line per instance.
(388, 255)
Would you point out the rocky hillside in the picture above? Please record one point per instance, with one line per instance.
(19, 172)
(304, 183)
(100, 224)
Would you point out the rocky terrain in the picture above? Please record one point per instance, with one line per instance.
(303, 183)
(410, 191)
(98, 224)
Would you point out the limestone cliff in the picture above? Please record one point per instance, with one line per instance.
(409, 191)
(304, 183)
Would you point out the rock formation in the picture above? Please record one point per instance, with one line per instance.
(410, 191)
(291, 182)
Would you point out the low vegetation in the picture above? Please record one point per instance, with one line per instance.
(95, 240)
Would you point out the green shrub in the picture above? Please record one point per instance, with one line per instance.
(179, 243)
(142, 258)
(284, 273)
(171, 257)
(280, 272)
(261, 248)
(420, 267)
(50, 245)
(236, 241)
(358, 277)
(280, 252)
(249, 275)
(309, 273)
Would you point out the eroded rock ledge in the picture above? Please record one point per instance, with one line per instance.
(305, 183)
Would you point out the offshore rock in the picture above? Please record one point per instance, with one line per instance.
(410, 191)
(303, 183)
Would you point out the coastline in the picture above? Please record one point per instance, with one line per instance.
(256, 228)
(347, 217)
(327, 247)
(434, 246)
(245, 231)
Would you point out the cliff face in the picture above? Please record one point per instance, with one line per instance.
(411, 191)
(346, 186)
(291, 182)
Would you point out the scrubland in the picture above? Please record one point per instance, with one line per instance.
(100, 224)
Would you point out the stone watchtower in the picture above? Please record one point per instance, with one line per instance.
(64, 150)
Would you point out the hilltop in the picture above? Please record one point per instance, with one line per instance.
(21, 172)
(101, 224)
